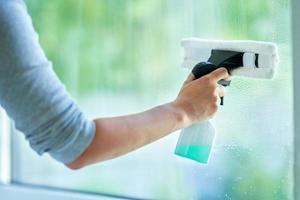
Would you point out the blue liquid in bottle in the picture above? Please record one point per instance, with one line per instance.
(196, 141)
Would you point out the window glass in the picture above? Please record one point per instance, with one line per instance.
(118, 57)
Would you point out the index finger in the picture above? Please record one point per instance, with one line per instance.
(219, 74)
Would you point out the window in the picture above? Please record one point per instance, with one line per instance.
(118, 57)
(4, 148)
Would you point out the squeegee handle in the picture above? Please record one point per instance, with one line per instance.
(203, 68)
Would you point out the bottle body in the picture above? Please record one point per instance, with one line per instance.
(196, 141)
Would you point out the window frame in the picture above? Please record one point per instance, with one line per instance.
(296, 82)
(13, 190)
(5, 149)
(26, 191)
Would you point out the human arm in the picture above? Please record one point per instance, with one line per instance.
(32, 94)
(42, 109)
(198, 100)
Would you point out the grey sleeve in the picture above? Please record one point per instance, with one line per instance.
(32, 94)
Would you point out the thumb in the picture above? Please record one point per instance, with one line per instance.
(189, 79)
(219, 74)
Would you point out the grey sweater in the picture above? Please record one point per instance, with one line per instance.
(32, 94)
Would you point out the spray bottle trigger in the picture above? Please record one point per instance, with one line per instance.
(225, 83)
(204, 68)
(222, 101)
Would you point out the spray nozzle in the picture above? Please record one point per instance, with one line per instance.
(220, 58)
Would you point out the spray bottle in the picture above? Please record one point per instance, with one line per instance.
(253, 59)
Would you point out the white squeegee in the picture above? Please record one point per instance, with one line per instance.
(260, 59)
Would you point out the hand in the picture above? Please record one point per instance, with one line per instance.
(199, 99)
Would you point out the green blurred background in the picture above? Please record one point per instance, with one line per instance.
(118, 57)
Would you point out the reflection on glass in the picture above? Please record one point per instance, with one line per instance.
(118, 57)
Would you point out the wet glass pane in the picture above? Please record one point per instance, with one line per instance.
(118, 57)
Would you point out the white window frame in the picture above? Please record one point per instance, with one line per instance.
(10, 190)
(296, 79)
(15, 191)
(5, 149)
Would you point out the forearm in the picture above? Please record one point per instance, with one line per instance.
(120, 135)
